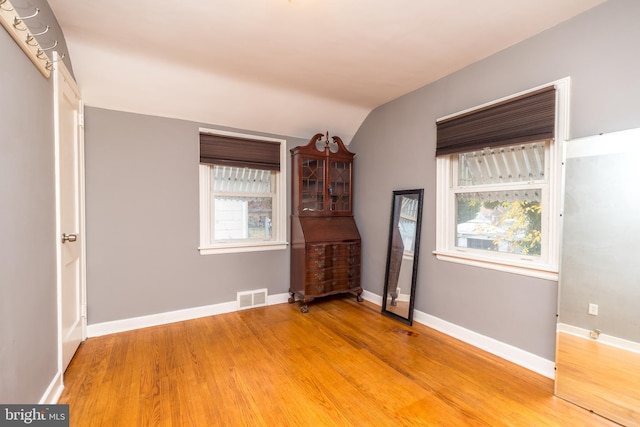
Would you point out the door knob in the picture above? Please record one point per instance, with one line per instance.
(69, 237)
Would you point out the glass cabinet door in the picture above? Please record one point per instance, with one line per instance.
(340, 186)
(312, 185)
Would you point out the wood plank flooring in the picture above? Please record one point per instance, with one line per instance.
(341, 364)
(599, 377)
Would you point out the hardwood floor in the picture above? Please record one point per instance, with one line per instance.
(341, 364)
(600, 377)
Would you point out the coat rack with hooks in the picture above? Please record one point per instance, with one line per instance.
(15, 25)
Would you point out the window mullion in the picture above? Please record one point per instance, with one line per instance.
(498, 187)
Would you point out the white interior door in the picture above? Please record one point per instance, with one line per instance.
(71, 243)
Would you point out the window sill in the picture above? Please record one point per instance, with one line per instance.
(241, 248)
(525, 268)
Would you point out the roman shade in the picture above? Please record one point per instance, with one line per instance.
(239, 152)
(526, 118)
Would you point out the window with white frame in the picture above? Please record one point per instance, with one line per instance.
(242, 192)
(498, 183)
(407, 223)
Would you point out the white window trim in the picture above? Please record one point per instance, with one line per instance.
(528, 266)
(279, 241)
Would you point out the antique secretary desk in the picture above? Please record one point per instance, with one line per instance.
(325, 242)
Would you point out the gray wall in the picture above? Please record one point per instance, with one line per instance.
(600, 242)
(28, 313)
(143, 223)
(396, 149)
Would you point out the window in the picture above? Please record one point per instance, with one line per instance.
(242, 192)
(407, 224)
(498, 173)
(500, 194)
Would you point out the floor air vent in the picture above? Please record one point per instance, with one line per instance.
(250, 299)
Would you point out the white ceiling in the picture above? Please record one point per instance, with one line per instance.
(291, 67)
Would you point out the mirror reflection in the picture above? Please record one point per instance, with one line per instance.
(598, 331)
(402, 255)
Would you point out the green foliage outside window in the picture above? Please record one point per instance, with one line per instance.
(511, 226)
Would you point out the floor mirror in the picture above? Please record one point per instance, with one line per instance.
(402, 255)
(598, 331)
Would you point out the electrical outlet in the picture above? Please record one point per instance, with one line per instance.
(593, 309)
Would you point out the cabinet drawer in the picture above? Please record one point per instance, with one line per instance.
(330, 279)
(333, 251)
(318, 250)
(318, 276)
(331, 267)
(341, 248)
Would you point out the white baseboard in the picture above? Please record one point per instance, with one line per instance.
(279, 298)
(115, 326)
(602, 338)
(377, 299)
(374, 298)
(508, 352)
(53, 392)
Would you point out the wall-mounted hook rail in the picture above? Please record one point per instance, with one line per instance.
(2, 2)
(41, 52)
(30, 39)
(17, 20)
(15, 26)
(50, 63)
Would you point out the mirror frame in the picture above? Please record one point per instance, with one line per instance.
(395, 216)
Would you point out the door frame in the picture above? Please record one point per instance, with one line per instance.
(60, 72)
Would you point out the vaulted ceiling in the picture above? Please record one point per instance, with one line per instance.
(291, 67)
